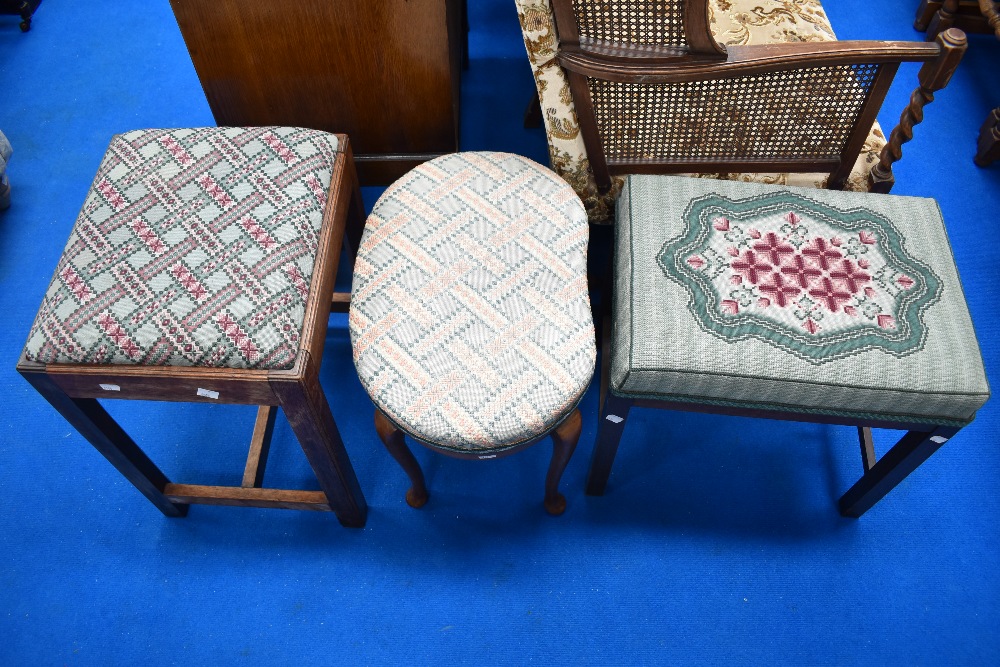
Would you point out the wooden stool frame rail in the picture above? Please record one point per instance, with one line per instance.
(74, 390)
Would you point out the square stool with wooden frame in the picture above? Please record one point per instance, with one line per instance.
(201, 269)
(793, 304)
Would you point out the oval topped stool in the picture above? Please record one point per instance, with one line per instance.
(470, 317)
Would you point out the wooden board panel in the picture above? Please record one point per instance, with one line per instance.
(385, 72)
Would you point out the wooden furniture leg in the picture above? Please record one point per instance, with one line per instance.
(533, 113)
(94, 423)
(933, 76)
(943, 19)
(614, 413)
(394, 441)
(308, 413)
(925, 12)
(913, 448)
(564, 441)
(966, 15)
(354, 226)
(988, 148)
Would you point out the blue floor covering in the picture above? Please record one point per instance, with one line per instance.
(718, 541)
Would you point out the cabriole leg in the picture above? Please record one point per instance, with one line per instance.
(564, 441)
(394, 441)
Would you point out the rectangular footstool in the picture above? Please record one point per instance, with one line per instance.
(790, 303)
(201, 269)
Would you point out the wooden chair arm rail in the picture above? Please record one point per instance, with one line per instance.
(741, 61)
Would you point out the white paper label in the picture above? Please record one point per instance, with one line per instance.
(938, 439)
(207, 393)
(614, 419)
(110, 387)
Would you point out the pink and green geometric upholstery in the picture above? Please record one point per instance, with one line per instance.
(790, 299)
(470, 317)
(195, 247)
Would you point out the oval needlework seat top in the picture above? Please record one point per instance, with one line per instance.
(470, 317)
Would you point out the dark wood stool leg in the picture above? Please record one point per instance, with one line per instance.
(912, 449)
(988, 148)
(394, 441)
(564, 441)
(309, 414)
(354, 226)
(614, 412)
(94, 423)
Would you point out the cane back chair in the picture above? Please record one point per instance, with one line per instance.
(669, 96)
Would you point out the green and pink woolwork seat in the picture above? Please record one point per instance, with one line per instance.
(470, 315)
(195, 247)
(794, 303)
(201, 269)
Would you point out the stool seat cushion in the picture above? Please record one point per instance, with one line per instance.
(791, 299)
(470, 317)
(195, 247)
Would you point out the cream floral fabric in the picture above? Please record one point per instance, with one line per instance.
(733, 22)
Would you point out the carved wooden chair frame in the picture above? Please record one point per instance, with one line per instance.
(972, 15)
(704, 59)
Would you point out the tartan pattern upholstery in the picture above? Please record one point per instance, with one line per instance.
(470, 318)
(675, 338)
(194, 247)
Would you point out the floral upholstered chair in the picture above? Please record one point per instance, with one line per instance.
(731, 22)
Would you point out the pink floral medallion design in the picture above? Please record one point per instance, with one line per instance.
(817, 281)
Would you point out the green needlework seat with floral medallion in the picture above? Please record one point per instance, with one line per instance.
(794, 303)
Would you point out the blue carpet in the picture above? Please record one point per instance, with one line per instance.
(718, 541)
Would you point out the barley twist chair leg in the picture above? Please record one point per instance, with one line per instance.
(564, 441)
(933, 76)
(394, 441)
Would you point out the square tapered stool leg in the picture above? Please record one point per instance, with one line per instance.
(201, 269)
